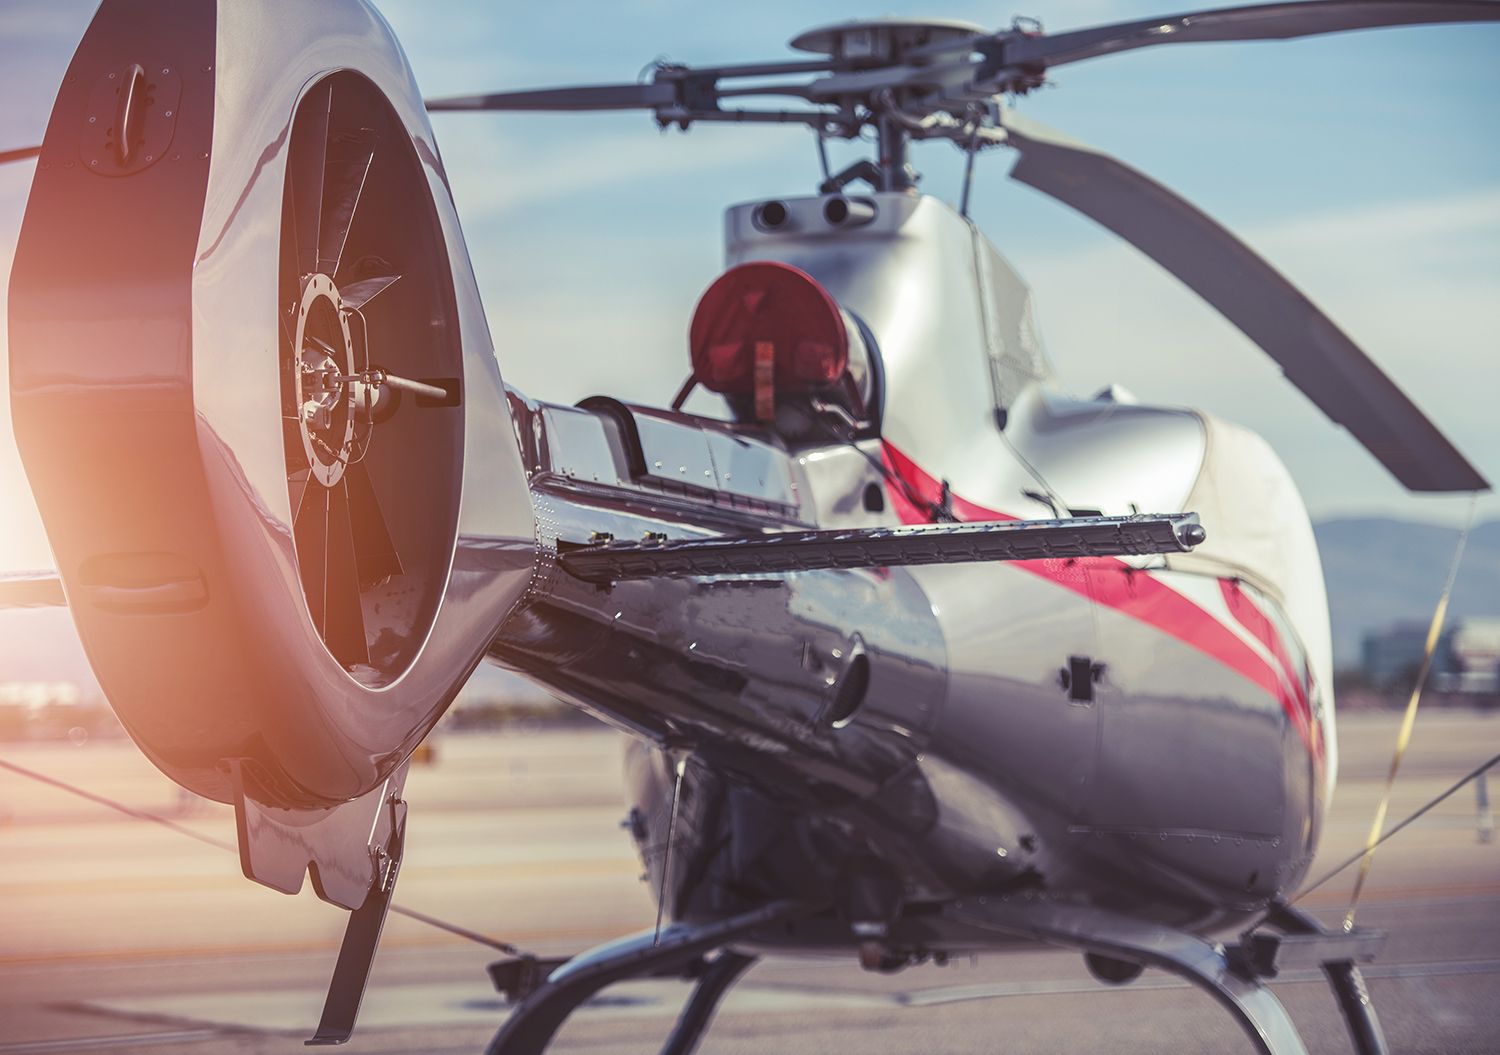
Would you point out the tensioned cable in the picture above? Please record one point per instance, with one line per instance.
(1472, 775)
(666, 866)
(119, 807)
(219, 844)
(1403, 738)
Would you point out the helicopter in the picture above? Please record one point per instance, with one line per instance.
(919, 656)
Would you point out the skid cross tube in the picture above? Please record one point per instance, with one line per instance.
(536, 1020)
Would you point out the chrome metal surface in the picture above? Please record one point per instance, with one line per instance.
(774, 552)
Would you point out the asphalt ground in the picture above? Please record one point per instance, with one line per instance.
(117, 935)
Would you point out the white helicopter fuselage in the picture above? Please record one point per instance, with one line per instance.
(1156, 731)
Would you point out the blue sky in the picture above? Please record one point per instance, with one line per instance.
(1366, 167)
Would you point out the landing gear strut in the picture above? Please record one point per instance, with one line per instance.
(536, 1020)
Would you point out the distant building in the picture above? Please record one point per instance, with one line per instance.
(1467, 658)
(1471, 654)
(1393, 656)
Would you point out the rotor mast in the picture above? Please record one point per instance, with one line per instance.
(856, 50)
(896, 173)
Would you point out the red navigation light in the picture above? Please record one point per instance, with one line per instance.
(767, 325)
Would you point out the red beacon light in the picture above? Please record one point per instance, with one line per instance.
(765, 328)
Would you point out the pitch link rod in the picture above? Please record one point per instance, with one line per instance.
(377, 378)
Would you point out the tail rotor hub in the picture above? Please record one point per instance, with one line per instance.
(325, 380)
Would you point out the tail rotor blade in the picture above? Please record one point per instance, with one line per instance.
(307, 175)
(301, 486)
(375, 553)
(1314, 354)
(310, 528)
(344, 173)
(355, 295)
(344, 615)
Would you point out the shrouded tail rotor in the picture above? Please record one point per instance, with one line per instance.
(244, 410)
(372, 453)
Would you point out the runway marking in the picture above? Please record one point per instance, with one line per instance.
(119, 1040)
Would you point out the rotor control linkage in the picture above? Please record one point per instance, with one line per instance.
(329, 388)
(376, 379)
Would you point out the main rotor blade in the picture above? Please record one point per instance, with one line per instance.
(1313, 353)
(586, 97)
(1257, 22)
(19, 154)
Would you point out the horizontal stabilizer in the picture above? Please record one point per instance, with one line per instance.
(777, 552)
(31, 589)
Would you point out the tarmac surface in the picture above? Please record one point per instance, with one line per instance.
(118, 935)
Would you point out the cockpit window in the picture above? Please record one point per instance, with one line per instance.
(1012, 342)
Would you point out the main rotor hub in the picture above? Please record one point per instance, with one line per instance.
(322, 374)
(882, 41)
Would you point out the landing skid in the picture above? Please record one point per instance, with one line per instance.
(536, 1020)
(1234, 975)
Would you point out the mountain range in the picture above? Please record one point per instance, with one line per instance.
(1381, 571)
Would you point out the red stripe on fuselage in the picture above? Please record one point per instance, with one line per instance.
(1260, 625)
(1113, 584)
